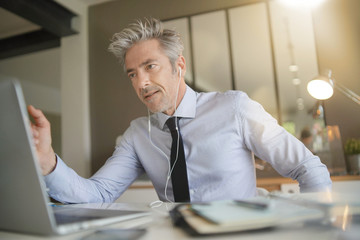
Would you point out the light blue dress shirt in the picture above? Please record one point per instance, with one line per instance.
(220, 131)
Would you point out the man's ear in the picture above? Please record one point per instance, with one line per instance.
(182, 65)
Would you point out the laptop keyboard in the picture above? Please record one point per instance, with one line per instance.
(65, 215)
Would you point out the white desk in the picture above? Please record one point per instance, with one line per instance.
(159, 226)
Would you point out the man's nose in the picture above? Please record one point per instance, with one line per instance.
(143, 79)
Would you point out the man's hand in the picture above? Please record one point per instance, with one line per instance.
(42, 137)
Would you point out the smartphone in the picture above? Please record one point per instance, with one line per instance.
(116, 234)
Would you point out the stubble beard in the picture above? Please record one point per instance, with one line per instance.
(163, 104)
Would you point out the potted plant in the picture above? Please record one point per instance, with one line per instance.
(352, 153)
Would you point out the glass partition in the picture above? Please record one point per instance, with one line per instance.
(211, 52)
(252, 55)
(267, 50)
(181, 25)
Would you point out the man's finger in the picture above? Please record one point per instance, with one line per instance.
(39, 117)
(35, 133)
(35, 113)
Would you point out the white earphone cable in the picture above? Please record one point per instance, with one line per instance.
(170, 169)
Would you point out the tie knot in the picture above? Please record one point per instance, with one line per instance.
(172, 124)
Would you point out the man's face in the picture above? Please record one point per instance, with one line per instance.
(152, 76)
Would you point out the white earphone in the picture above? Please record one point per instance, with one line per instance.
(170, 169)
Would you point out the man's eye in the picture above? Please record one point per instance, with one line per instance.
(150, 66)
(131, 75)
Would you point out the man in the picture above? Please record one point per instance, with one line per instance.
(220, 131)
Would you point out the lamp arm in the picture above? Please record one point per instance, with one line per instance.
(347, 92)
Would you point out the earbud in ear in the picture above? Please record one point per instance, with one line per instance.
(180, 72)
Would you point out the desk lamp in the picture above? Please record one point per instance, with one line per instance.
(322, 88)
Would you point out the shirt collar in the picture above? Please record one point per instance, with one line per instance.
(186, 108)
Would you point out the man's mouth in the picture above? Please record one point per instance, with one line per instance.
(149, 95)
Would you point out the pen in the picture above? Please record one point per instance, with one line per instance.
(303, 202)
(253, 205)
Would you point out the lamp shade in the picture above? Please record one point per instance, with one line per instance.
(320, 88)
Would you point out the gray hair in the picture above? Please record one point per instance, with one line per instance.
(147, 29)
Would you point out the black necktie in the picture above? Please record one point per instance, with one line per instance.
(179, 174)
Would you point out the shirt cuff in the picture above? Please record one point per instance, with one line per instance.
(55, 180)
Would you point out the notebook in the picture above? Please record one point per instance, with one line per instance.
(24, 203)
(228, 216)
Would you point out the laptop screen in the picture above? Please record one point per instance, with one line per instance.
(23, 191)
(25, 205)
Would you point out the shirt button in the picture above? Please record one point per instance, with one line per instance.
(192, 191)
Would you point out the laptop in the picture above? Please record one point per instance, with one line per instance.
(24, 203)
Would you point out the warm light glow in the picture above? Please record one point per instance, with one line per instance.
(320, 89)
(345, 218)
(296, 81)
(293, 68)
(333, 133)
(311, 4)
